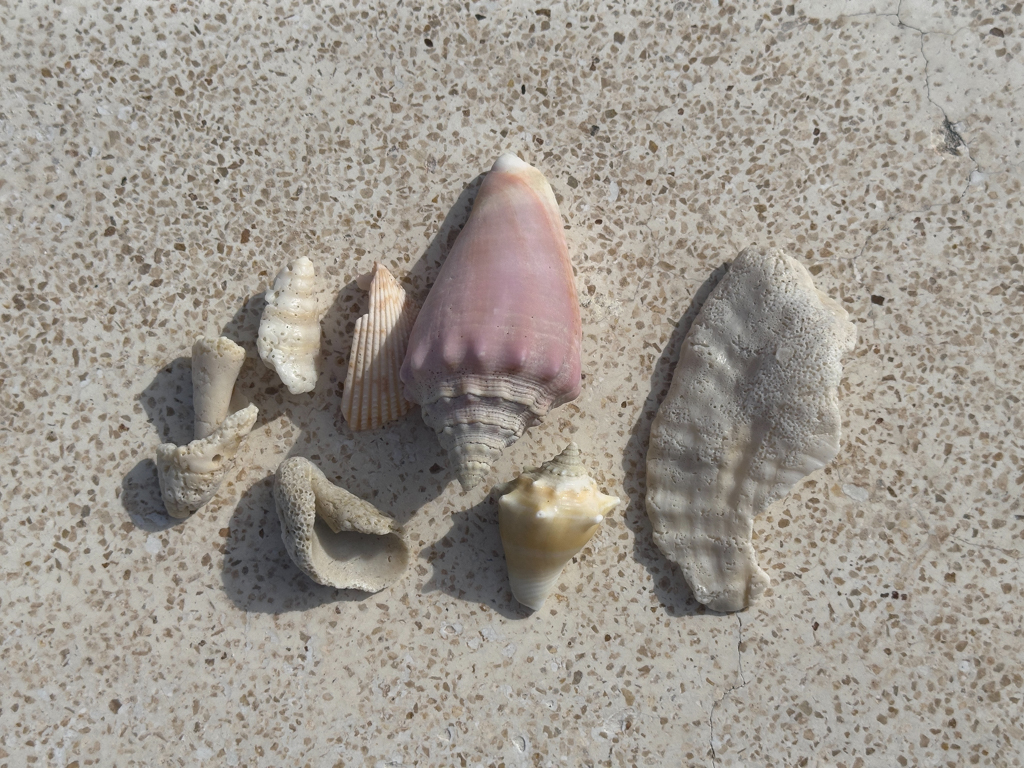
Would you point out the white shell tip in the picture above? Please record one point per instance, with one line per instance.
(509, 162)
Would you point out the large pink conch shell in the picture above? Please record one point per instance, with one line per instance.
(497, 342)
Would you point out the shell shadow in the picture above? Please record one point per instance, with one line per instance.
(256, 383)
(469, 562)
(257, 574)
(167, 401)
(244, 327)
(670, 586)
(140, 497)
(398, 468)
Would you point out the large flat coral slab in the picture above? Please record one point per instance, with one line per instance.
(753, 408)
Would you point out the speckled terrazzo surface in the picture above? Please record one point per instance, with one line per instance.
(160, 163)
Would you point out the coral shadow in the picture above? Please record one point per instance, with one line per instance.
(469, 562)
(422, 273)
(257, 574)
(670, 586)
(140, 497)
(167, 400)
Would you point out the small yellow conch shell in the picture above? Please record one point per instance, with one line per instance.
(547, 515)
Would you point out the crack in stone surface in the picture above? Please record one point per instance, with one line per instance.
(952, 139)
(742, 683)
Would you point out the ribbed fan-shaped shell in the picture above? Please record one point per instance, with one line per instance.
(753, 408)
(547, 515)
(497, 342)
(373, 390)
(289, 336)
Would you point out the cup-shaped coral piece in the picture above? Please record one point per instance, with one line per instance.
(545, 516)
(334, 537)
(373, 392)
(497, 342)
(191, 474)
(753, 408)
(215, 367)
(289, 336)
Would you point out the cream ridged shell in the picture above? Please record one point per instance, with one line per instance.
(191, 474)
(334, 537)
(545, 516)
(373, 390)
(753, 408)
(289, 335)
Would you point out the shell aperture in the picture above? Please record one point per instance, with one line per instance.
(333, 536)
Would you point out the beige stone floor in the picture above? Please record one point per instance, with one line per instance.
(160, 162)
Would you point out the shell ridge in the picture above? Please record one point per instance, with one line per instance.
(378, 349)
(289, 334)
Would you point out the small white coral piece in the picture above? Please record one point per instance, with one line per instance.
(334, 537)
(289, 335)
(191, 474)
(545, 516)
(373, 390)
(753, 408)
(215, 367)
